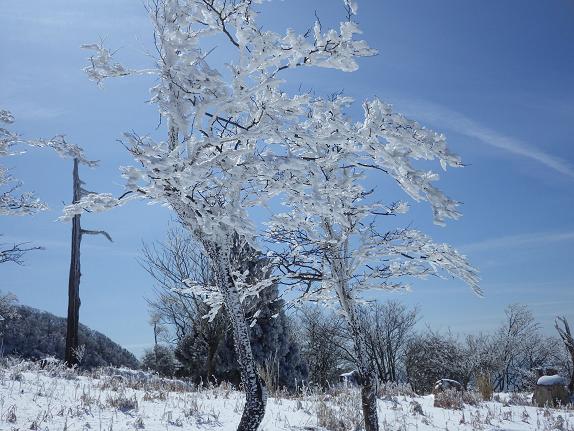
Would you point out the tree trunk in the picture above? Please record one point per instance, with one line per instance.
(364, 361)
(211, 351)
(369, 401)
(255, 393)
(74, 281)
(368, 379)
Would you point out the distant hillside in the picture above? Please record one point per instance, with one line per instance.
(37, 334)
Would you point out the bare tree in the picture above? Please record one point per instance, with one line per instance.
(519, 348)
(388, 328)
(568, 340)
(325, 345)
(169, 263)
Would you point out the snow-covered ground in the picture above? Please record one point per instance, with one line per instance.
(54, 398)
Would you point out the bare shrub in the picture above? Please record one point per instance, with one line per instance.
(518, 399)
(11, 414)
(340, 413)
(485, 387)
(395, 389)
(455, 400)
(122, 402)
(416, 408)
(449, 399)
(472, 398)
(155, 395)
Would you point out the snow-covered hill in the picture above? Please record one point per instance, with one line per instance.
(54, 398)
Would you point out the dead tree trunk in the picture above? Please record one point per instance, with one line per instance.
(73, 320)
(566, 336)
(74, 279)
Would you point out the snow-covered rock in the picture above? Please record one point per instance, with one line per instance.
(551, 380)
(550, 391)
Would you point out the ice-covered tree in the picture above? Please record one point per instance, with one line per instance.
(337, 246)
(519, 347)
(10, 202)
(230, 135)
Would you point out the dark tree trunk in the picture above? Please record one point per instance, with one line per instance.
(74, 280)
(369, 402)
(211, 351)
(368, 379)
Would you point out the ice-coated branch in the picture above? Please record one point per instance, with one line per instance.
(27, 203)
(95, 202)
(101, 65)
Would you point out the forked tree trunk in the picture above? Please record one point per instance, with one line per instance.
(255, 393)
(74, 280)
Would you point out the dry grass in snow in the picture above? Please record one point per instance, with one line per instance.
(54, 398)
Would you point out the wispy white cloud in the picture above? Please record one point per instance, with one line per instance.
(525, 240)
(457, 122)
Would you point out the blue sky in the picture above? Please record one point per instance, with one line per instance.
(496, 77)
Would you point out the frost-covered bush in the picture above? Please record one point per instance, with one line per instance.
(122, 402)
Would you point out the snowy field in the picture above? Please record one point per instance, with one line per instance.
(54, 398)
